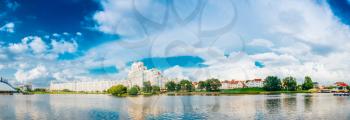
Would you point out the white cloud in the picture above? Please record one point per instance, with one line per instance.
(8, 27)
(64, 46)
(303, 37)
(39, 72)
(38, 45)
(18, 47)
(79, 33)
(261, 43)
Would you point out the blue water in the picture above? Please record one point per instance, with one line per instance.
(105, 107)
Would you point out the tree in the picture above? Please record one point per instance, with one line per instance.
(207, 85)
(147, 88)
(134, 90)
(186, 85)
(272, 83)
(215, 84)
(155, 89)
(307, 83)
(118, 90)
(177, 87)
(40, 90)
(66, 90)
(201, 85)
(170, 86)
(289, 83)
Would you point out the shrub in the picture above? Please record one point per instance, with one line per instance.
(133, 90)
(155, 89)
(118, 90)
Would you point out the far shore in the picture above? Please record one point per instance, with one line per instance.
(199, 92)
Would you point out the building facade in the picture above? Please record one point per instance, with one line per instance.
(89, 86)
(232, 84)
(136, 76)
(254, 83)
(139, 74)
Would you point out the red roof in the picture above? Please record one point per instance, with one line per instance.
(341, 84)
(194, 83)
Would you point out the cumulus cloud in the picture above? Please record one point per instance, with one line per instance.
(39, 72)
(64, 46)
(38, 45)
(299, 42)
(298, 38)
(18, 47)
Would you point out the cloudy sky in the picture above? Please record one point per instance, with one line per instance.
(64, 40)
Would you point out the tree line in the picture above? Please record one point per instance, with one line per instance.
(187, 86)
(121, 90)
(273, 83)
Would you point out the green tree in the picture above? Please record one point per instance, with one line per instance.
(170, 86)
(207, 85)
(40, 90)
(147, 88)
(201, 85)
(177, 87)
(215, 84)
(307, 83)
(155, 89)
(289, 83)
(272, 83)
(118, 90)
(186, 85)
(134, 90)
(66, 90)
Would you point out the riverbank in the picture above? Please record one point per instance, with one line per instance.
(65, 92)
(259, 91)
(221, 92)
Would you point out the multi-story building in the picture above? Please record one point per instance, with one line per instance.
(140, 74)
(136, 76)
(90, 86)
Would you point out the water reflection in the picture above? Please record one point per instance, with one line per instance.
(96, 107)
(273, 105)
(308, 103)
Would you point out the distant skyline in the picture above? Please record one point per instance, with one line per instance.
(43, 41)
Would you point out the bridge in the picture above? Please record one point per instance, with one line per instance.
(6, 87)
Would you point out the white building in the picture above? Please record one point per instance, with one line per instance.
(255, 83)
(89, 86)
(232, 84)
(139, 74)
(136, 76)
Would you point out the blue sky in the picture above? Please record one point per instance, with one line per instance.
(43, 41)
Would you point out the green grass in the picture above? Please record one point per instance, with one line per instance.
(243, 91)
(258, 91)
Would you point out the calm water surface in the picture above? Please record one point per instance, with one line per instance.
(97, 107)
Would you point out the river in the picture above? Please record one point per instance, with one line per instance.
(97, 107)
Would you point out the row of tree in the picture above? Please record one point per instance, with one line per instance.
(273, 83)
(187, 86)
(183, 85)
(121, 90)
